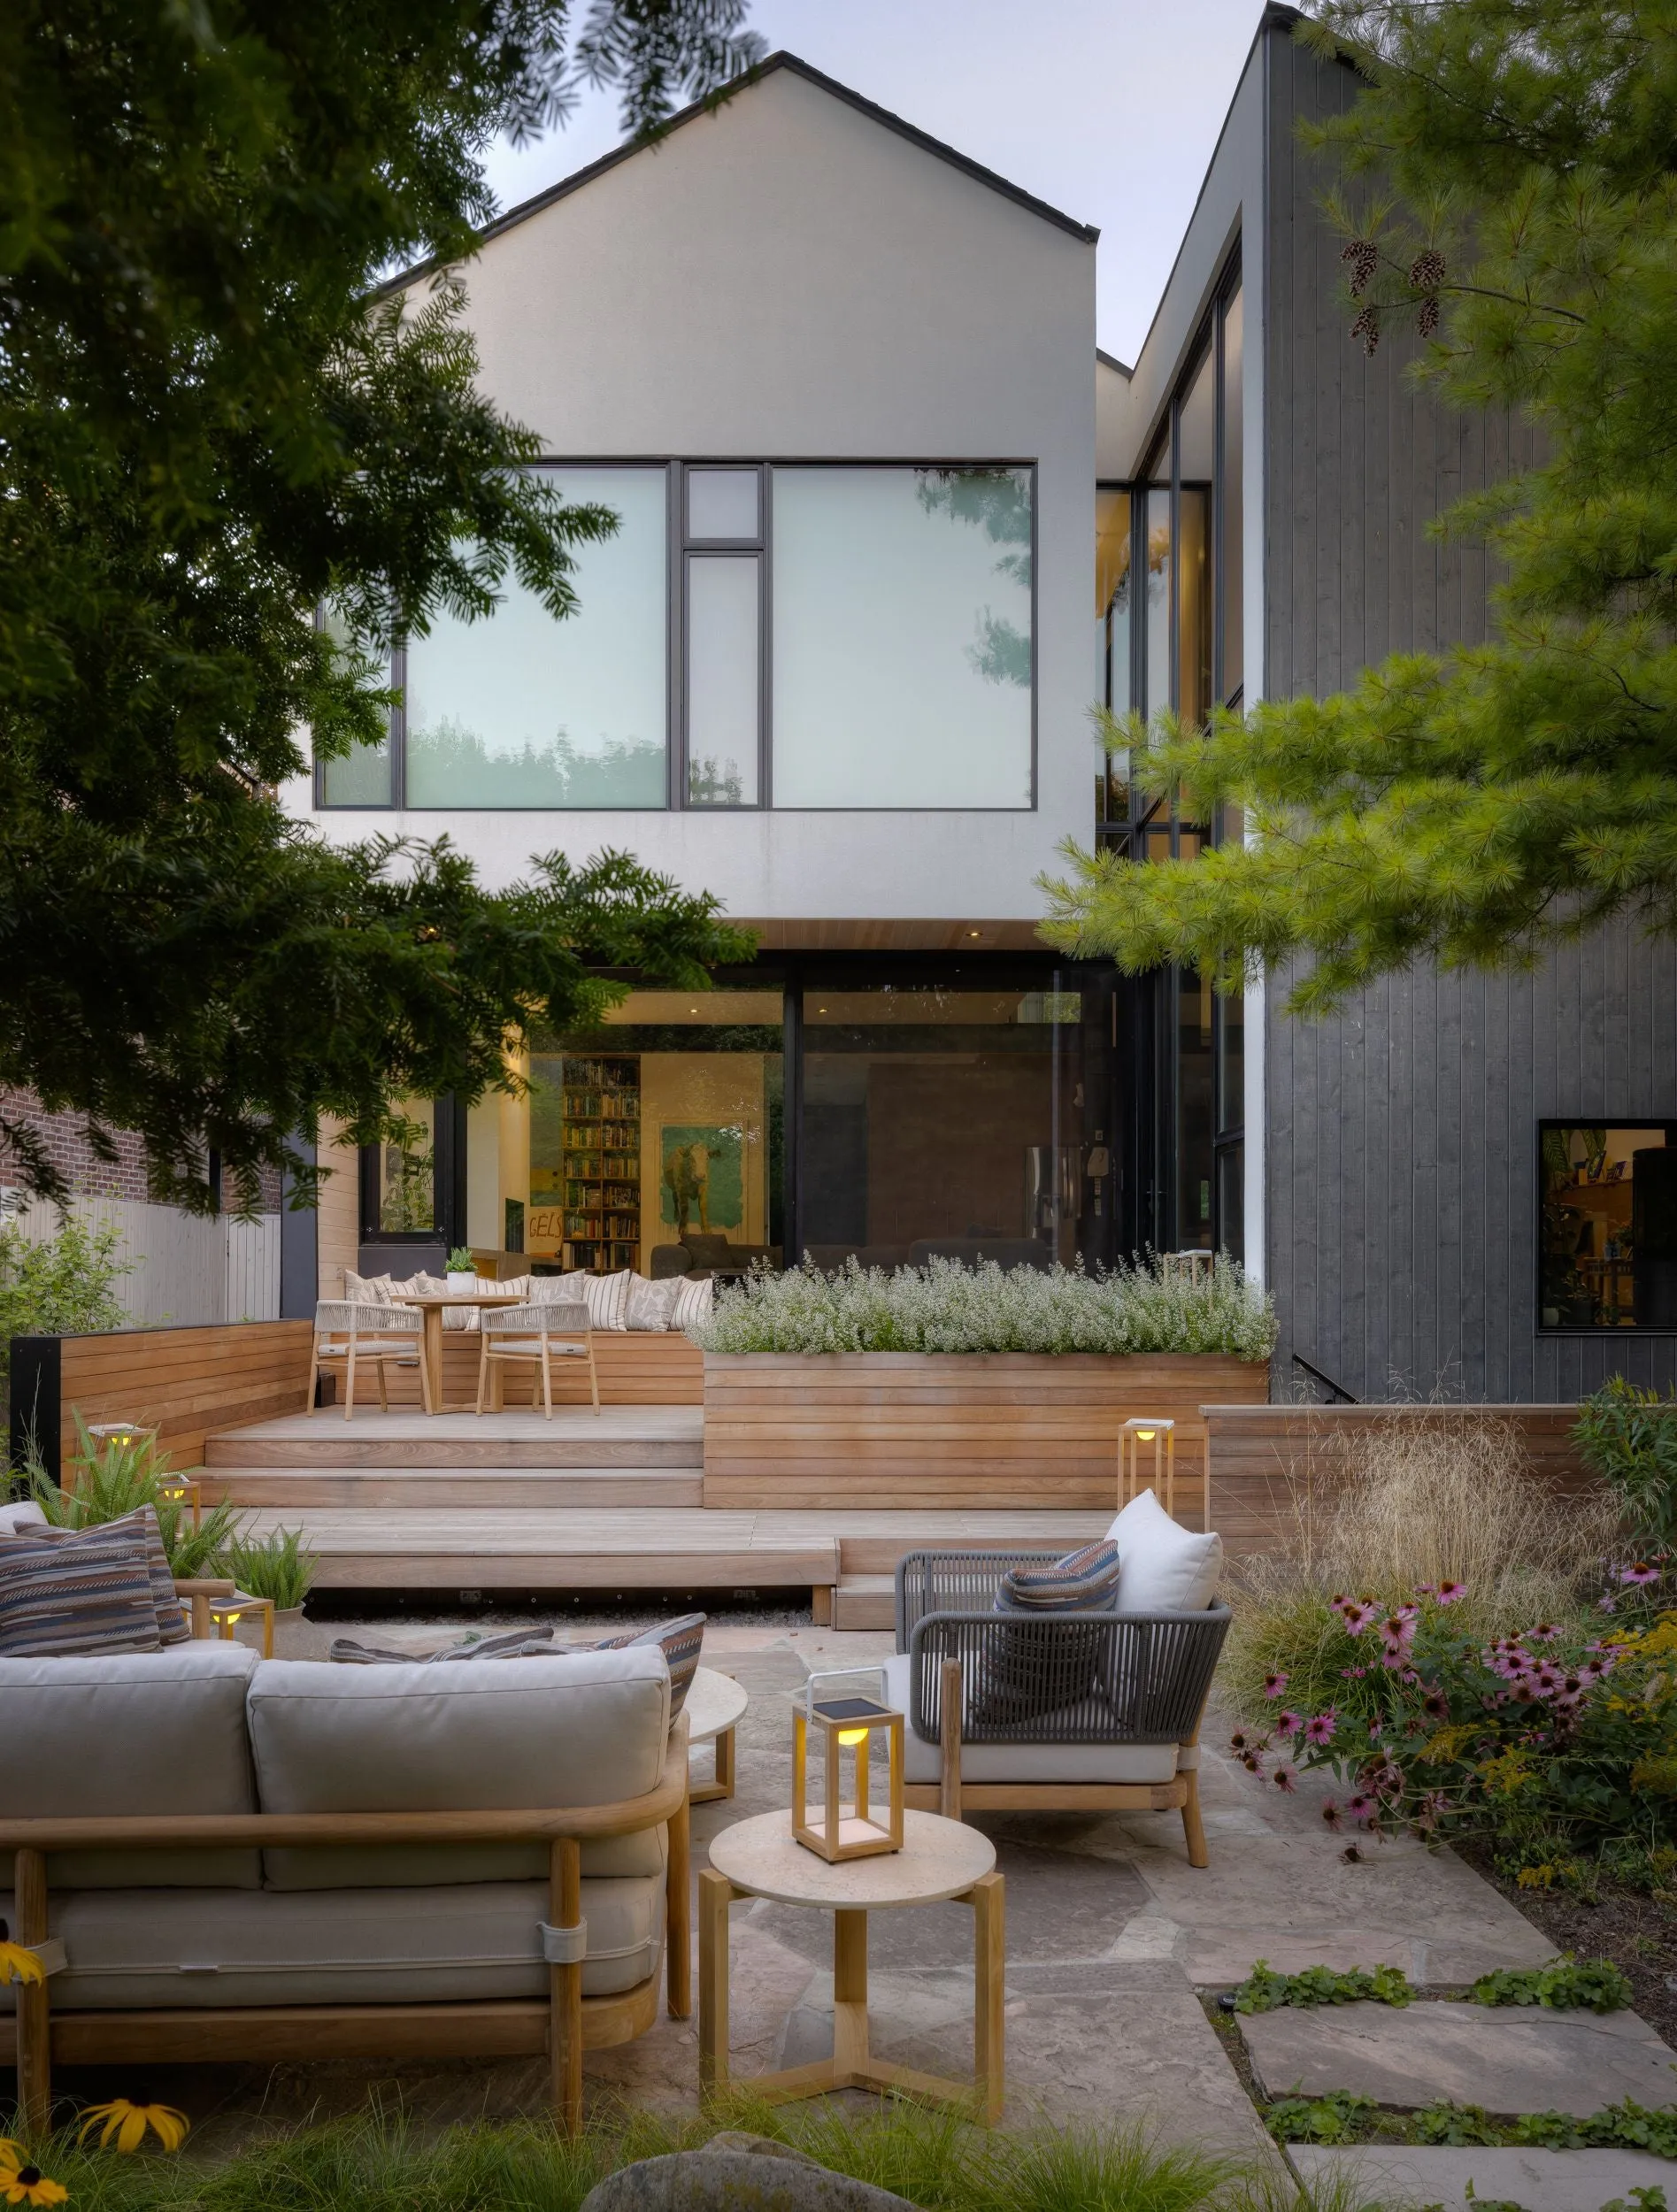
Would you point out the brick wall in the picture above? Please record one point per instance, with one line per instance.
(65, 1138)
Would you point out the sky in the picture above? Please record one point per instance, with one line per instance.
(1106, 109)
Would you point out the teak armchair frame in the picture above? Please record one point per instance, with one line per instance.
(562, 2025)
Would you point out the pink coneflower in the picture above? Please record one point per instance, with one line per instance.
(1253, 1761)
(1320, 1728)
(1397, 1630)
(1546, 1677)
(1409, 1677)
(1570, 1695)
(1545, 1632)
(1360, 1807)
(1274, 1685)
(1289, 1724)
(1355, 1617)
(1600, 1663)
(1386, 1779)
(1331, 1814)
(1352, 1674)
(1435, 1705)
(1285, 1778)
(1640, 1573)
(1240, 1741)
(1449, 1592)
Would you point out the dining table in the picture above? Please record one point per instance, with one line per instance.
(433, 1305)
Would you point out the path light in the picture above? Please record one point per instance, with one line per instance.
(228, 1612)
(1147, 1434)
(848, 1725)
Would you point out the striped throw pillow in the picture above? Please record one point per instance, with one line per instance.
(693, 1304)
(79, 1593)
(680, 1641)
(1085, 1581)
(1043, 1667)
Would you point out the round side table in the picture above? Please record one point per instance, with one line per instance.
(941, 1860)
(715, 1705)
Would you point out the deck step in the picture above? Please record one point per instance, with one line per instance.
(865, 1601)
(428, 1489)
(617, 1436)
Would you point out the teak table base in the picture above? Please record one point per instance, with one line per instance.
(853, 2065)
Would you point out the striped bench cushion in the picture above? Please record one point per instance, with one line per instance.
(77, 1592)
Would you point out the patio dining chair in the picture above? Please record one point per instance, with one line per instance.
(540, 1333)
(350, 1332)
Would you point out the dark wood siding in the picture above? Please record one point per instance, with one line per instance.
(1401, 1160)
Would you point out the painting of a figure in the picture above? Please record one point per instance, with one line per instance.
(702, 1187)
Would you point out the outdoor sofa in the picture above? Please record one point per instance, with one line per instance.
(1095, 1708)
(276, 1860)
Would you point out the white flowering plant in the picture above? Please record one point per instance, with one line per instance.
(947, 1307)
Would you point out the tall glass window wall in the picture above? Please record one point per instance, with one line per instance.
(892, 664)
(1178, 642)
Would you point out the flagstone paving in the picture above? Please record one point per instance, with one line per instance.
(1537, 2181)
(1110, 1933)
(1512, 2059)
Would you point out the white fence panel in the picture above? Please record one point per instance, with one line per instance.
(182, 1269)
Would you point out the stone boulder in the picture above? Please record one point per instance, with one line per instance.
(737, 2172)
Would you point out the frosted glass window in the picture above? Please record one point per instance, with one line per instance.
(902, 665)
(722, 504)
(521, 711)
(722, 678)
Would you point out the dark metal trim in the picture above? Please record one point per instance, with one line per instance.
(1339, 1395)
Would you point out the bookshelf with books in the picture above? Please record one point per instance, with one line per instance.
(601, 1164)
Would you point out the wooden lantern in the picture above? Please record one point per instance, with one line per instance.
(183, 1490)
(227, 1612)
(1147, 1460)
(847, 1725)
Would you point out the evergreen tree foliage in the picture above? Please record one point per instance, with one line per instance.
(1508, 190)
(210, 425)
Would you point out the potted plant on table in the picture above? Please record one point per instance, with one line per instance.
(462, 1272)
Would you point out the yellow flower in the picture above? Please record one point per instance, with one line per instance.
(20, 1963)
(23, 2183)
(128, 2123)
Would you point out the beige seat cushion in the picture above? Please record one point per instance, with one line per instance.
(145, 1731)
(145, 1948)
(1040, 1763)
(582, 1728)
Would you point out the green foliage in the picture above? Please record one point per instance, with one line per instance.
(1645, 2199)
(60, 1285)
(1626, 2126)
(460, 1261)
(211, 426)
(1263, 1989)
(933, 2158)
(1442, 2122)
(1337, 2116)
(1508, 191)
(109, 1478)
(945, 1307)
(274, 1566)
(1597, 1986)
(1628, 1436)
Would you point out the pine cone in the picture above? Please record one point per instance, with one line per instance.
(1427, 272)
(1364, 257)
(1367, 328)
(1427, 321)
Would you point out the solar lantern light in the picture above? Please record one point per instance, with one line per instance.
(848, 1724)
(1147, 1460)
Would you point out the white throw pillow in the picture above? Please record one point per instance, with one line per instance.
(605, 1296)
(652, 1305)
(366, 1290)
(19, 1514)
(693, 1303)
(1165, 1568)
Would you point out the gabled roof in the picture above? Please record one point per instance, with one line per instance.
(1089, 233)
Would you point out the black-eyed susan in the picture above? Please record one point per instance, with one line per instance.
(126, 2124)
(17, 1961)
(22, 2181)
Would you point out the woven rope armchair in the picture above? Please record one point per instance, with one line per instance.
(350, 1332)
(541, 1333)
(1087, 1711)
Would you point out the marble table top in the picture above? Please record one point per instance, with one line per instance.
(939, 1859)
(714, 1702)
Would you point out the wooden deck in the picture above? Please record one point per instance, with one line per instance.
(610, 1502)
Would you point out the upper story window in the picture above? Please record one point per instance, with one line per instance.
(818, 636)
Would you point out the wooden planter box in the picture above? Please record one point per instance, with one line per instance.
(910, 1430)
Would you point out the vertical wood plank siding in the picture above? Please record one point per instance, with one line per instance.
(1402, 1134)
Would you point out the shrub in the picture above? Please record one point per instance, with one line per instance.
(1440, 1500)
(945, 1307)
(274, 1567)
(1555, 1748)
(60, 1285)
(108, 1480)
(1629, 1438)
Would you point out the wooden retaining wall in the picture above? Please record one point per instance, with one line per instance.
(183, 1382)
(1266, 1459)
(913, 1430)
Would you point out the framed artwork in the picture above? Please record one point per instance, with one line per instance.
(701, 1177)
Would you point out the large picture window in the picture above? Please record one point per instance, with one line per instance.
(902, 637)
(1607, 1226)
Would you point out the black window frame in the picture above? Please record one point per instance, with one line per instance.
(1596, 1331)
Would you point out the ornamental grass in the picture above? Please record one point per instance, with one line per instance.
(947, 1307)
